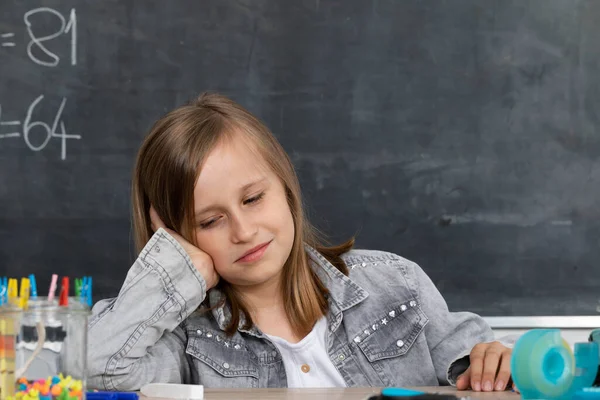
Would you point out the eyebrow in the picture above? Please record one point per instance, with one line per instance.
(242, 190)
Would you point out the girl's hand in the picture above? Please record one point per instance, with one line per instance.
(202, 261)
(489, 369)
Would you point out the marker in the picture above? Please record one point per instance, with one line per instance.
(89, 292)
(12, 290)
(3, 290)
(52, 290)
(33, 284)
(24, 294)
(64, 292)
(78, 282)
(86, 291)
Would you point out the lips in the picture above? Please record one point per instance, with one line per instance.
(254, 253)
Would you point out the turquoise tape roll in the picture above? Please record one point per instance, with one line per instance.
(544, 366)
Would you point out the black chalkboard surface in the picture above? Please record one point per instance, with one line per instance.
(460, 134)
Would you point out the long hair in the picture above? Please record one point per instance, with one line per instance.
(167, 168)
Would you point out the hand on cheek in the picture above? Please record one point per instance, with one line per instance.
(202, 261)
(489, 369)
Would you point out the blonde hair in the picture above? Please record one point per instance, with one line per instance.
(166, 171)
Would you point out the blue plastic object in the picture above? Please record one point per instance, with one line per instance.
(394, 391)
(587, 394)
(544, 366)
(111, 396)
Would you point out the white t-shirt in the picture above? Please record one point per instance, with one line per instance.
(306, 362)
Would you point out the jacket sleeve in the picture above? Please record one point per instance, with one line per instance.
(137, 338)
(450, 335)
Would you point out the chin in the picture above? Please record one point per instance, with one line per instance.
(252, 278)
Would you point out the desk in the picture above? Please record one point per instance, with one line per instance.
(334, 394)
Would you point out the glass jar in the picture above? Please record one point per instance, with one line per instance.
(43, 350)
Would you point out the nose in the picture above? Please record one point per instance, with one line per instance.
(243, 228)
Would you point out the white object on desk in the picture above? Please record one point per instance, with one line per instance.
(574, 329)
(173, 391)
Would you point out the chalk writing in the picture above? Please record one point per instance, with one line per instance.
(26, 128)
(7, 40)
(65, 28)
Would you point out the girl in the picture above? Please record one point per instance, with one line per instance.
(233, 288)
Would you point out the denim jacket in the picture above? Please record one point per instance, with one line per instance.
(387, 325)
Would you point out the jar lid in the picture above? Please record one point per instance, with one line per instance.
(41, 305)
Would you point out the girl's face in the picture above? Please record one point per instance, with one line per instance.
(243, 220)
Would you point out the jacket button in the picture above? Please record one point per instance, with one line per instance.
(399, 343)
(341, 357)
(305, 368)
(226, 365)
(157, 249)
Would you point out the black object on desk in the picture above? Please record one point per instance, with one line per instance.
(409, 394)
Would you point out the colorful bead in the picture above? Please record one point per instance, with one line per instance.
(53, 388)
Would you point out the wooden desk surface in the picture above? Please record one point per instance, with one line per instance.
(335, 394)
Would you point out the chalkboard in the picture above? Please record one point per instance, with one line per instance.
(460, 134)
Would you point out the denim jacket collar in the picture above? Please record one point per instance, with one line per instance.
(343, 294)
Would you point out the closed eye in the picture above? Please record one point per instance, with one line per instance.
(254, 199)
(251, 200)
(208, 223)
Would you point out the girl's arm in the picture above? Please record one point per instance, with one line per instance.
(136, 338)
(451, 336)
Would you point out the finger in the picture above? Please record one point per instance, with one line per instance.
(504, 371)
(476, 357)
(490, 367)
(155, 220)
(464, 381)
